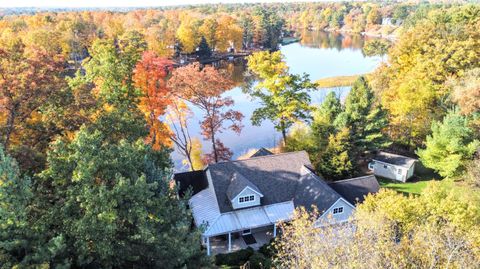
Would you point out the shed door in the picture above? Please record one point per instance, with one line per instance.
(399, 173)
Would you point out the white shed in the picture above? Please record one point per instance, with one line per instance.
(392, 166)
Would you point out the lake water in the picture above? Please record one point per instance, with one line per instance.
(320, 55)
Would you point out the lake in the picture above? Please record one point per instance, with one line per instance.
(320, 55)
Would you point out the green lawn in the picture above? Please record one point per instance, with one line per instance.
(414, 187)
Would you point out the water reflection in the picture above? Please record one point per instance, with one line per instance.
(337, 40)
(319, 54)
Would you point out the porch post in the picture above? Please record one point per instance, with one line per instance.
(208, 246)
(275, 229)
(229, 242)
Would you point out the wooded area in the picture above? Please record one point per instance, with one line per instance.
(93, 102)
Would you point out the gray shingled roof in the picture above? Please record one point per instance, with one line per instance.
(394, 159)
(237, 184)
(276, 176)
(354, 190)
(261, 152)
(194, 180)
(312, 190)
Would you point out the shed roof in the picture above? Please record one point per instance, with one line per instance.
(354, 190)
(394, 159)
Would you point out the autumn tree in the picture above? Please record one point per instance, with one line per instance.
(466, 92)
(375, 47)
(267, 28)
(284, 97)
(188, 33)
(228, 34)
(219, 153)
(374, 16)
(197, 155)
(208, 30)
(413, 90)
(388, 230)
(203, 87)
(150, 76)
(28, 78)
(178, 117)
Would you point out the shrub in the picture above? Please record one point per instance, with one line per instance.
(259, 261)
(268, 249)
(235, 258)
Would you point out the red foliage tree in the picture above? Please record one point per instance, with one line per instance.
(150, 76)
(221, 153)
(203, 87)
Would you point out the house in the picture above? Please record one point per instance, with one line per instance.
(239, 203)
(392, 166)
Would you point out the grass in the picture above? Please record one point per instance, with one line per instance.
(340, 81)
(412, 187)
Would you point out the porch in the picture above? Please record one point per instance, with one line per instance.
(239, 240)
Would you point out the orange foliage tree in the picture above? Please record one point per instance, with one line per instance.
(150, 76)
(28, 77)
(203, 87)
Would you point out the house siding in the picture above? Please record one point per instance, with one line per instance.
(342, 217)
(246, 192)
(391, 171)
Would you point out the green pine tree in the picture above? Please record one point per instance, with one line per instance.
(204, 51)
(365, 118)
(450, 145)
(335, 162)
(15, 199)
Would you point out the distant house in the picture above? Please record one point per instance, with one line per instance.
(392, 166)
(239, 203)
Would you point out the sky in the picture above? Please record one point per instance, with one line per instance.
(121, 3)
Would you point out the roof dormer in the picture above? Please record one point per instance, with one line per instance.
(243, 193)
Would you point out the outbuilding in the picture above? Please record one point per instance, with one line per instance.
(392, 166)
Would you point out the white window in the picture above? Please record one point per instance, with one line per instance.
(338, 210)
(248, 198)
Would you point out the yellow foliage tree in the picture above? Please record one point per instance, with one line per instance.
(438, 229)
(188, 33)
(228, 34)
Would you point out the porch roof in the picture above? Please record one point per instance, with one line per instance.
(248, 218)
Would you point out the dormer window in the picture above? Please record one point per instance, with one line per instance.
(338, 210)
(248, 198)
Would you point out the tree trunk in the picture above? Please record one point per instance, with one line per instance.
(189, 159)
(284, 135)
(214, 148)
